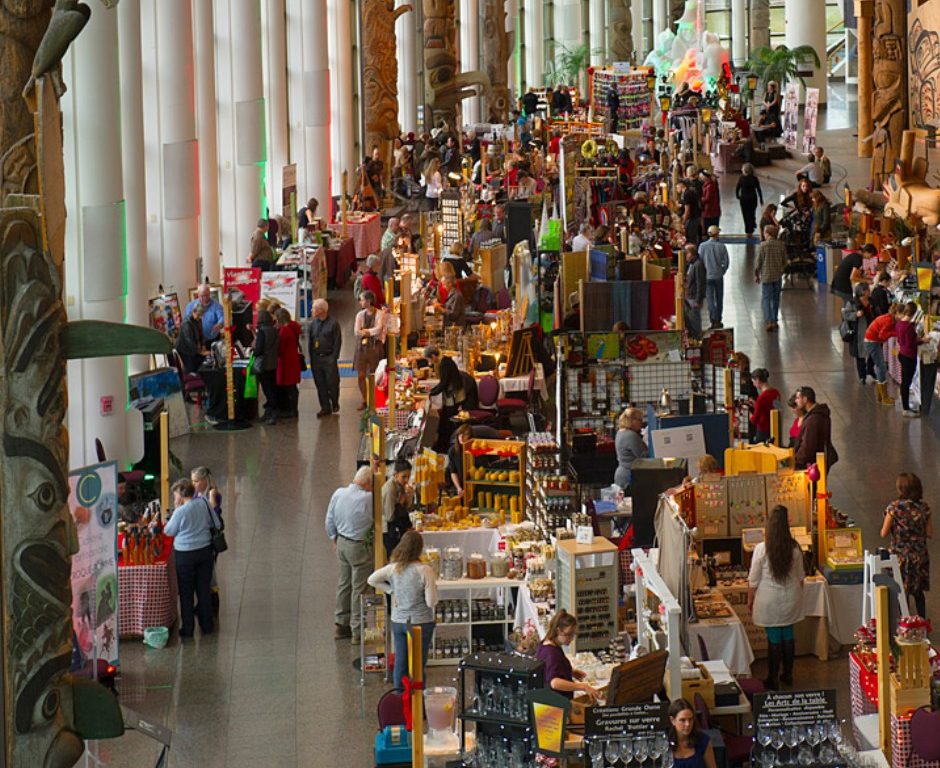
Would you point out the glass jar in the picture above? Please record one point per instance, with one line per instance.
(476, 566)
(499, 565)
(452, 564)
(432, 556)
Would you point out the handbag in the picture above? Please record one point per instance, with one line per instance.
(251, 381)
(847, 331)
(217, 535)
(302, 360)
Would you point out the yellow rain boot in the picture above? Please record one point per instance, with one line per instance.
(883, 397)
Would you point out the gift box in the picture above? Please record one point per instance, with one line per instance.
(902, 752)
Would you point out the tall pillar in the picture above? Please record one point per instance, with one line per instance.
(598, 33)
(514, 76)
(341, 105)
(405, 40)
(209, 223)
(806, 25)
(275, 35)
(738, 32)
(470, 53)
(660, 20)
(759, 17)
(248, 101)
(316, 110)
(179, 151)
(864, 9)
(567, 23)
(639, 44)
(140, 286)
(534, 43)
(95, 269)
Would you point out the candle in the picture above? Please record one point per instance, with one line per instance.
(664, 189)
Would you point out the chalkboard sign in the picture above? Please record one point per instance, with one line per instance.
(784, 709)
(627, 719)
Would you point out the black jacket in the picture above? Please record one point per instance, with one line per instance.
(266, 347)
(815, 437)
(325, 339)
(749, 189)
(695, 281)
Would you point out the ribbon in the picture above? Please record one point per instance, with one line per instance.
(826, 495)
(410, 686)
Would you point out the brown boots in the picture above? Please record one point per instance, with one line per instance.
(881, 392)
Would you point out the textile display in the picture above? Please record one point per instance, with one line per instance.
(596, 307)
(620, 302)
(366, 233)
(148, 596)
(662, 304)
(863, 687)
(340, 260)
(639, 319)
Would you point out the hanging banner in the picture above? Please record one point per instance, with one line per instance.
(93, 505)
(245, 280)
(282, 287)
(791, 115)
(810, 111)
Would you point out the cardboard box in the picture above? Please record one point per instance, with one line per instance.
(705, 687)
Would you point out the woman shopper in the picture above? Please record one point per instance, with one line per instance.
(453, 394)
(266, 346)
(858, 313)
(822, 219)
(768, 217)
(629, 444)
(763, 405)
(191, 525)
(413, 588)
(288, 362)
(433, 183)
(748, 192)
(878, 332)
(907, 521)
(775, 594)
(204, 485)
(691, 748)
(798, 413)
(908, 341)
(369, 330)
(558, 674)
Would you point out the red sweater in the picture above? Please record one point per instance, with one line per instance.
(371, 282)
(881, 329)
(907, 338)
(762, 408)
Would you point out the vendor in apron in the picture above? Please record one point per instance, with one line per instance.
(397, 501)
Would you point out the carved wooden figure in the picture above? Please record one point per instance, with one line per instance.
(620, 27)
(445, 89)
(889, 85)
(496, 59)
(380, 74)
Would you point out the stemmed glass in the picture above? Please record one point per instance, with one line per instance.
(641, 749)
(626, 750)
(792, 737)
(776, 742)
(596, 750)
(668, 758)
(612, 751)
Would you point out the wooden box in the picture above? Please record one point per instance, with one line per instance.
(906, 700)
(705, 687)
(844, 549)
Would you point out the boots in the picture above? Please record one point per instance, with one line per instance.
(881, 388)
(774, 656)
(789, 651)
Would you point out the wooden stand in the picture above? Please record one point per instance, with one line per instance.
(910, 684)
(822, 509)
(416, 673)
(164, 464)
(229, 372)
(882, 652)
(680, 292)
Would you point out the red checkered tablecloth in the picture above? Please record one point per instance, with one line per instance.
(902, 754)
(147, 597)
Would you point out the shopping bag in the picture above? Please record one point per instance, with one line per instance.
(550, 239)
(251, 380)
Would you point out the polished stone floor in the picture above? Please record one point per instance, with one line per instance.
(272, 687)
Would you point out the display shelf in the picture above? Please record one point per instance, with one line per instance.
(634, 97)
(504, 483)
(373, 642)
(548, 508)
(586, 586)
(485, 454)
(460, 635)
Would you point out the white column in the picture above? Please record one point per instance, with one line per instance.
(405, 42)
(738, 32)
(806, 25)
(639, 45)
(512, 27)
(598, 33)
(208, 142)
(341, 105)
(660, 16)
(139, 285)
(179, 152)
(534, 43)
(316, 111)
(470, 53)
(95, 269)
(275, 71)
(249, 135)
(568, 24)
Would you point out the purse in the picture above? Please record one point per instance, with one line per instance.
(847, 331)
(302, 360)
(217, 535)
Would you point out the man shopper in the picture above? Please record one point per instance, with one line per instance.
(694, 290)
(260, 253)
(324, 343)
(714, 256)
(815, 432)
(349, 526)
(213, 317)
(771, 263)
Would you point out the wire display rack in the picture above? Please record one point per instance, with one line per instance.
(646, 382)
(374, 637)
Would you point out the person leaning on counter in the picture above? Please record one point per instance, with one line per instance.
(559, 675)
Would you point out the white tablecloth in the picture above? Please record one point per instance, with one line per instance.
(526, 610)
(841, 605)
(510, 385)
(725, 639)
(482, 540)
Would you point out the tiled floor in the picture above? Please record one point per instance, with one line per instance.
(272, 687)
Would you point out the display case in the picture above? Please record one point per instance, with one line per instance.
(844, 549)
(494, 478)
(472, 615)
(633, 97)
(747, 503)
(711, 507)
(490, 264)
(551, 495)
(492, 697)
(586, 586)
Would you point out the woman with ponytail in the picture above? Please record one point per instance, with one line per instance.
(559, 676)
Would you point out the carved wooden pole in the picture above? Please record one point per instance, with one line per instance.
(863, 13)
(620, 29)
(495, 61)
(889, 81)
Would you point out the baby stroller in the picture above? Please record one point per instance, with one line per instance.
(795, 231)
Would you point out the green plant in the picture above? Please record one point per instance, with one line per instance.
(781, 64)
(568, 64)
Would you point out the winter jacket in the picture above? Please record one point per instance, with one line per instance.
(815, 437)
(695, 281)
(881, 329)
(850, 313)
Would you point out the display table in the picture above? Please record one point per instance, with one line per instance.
(485, 541)
(902, 753)
(147, 594)
(340, 260)
(725, 639)
(510, 385)
(726, 160)
(840, 604)
(217, 406)
(365, 231)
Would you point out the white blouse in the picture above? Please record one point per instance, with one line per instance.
(776, 604)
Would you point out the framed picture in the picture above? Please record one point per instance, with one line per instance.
(215, 291)
(165, 314)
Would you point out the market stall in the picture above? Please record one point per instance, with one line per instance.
(147, 587)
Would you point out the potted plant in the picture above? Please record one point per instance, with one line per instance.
(781, 64)
(568, 65)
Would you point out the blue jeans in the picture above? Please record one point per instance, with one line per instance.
(400, 642)
(715, 295)
(770, 300)
(875, 352)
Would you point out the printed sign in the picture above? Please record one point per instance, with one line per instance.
(165, 315)
(791, 115)
(93, 505)
(810, 111)
(282, 287)
(244, 280)
(679, 442)
(549, 716)
(783, 709)
(635, 719)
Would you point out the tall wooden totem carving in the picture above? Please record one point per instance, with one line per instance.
(496, 61)
(889, 86)
(444, 88)
(37, 535)
(380, 74)
(620, 27)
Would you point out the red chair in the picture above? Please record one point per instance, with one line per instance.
(487, 395)
(737, 748)
(507, 405)
(748, 685)
(390, 709)
(192, 383)
(925, 734)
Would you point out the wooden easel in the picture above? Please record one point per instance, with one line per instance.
(521, 355)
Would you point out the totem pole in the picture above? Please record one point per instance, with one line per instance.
(496, 61)
(380, 75)
(889, 86)
(444, 88)
(620, 26)
(759, 16)
(44, 722)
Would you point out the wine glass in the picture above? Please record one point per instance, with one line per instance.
(776, 742)
(668, 759)
(792, 738)
(806, 756)
(835, 733)
(767, 759)
(596, 750)
(657, 745)
(612, 751)
(640, 749)
(626, 750)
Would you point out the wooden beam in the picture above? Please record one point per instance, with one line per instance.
(882, 651)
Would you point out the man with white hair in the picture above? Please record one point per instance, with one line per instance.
(349, 526)
(390, 234)
(212, 314)
(325, 341)
(582, 241)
